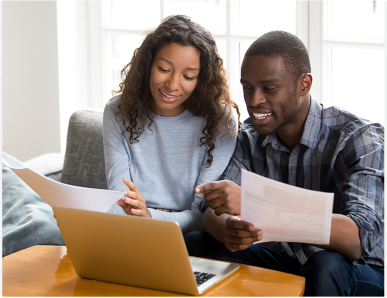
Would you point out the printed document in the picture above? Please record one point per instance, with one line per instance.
(59, 194)
(286, 213)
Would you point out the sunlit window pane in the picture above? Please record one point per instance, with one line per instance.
(131, 14)
(357, 19)
(256, 17)
(211, 14)
(229, 21)
(358, 81)
(222, 50)
(241, 50)
(122, 48)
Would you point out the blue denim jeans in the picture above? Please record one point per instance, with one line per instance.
(327, 273)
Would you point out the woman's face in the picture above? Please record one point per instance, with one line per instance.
(174, 76)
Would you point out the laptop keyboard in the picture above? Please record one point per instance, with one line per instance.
(202, 277)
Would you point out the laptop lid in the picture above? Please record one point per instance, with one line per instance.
(131, 250)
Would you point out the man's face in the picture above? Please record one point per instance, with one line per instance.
(271, 95)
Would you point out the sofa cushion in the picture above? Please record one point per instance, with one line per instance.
(84, 163)
(27, 219)
(48, 164)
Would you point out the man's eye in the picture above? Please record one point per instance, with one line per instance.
(269, 88)
(246, 87)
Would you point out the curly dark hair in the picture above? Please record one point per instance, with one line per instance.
(210, 99)
(284, 44)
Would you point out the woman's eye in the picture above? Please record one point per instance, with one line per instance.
(246, 87)
(163, 70)
(188, 78)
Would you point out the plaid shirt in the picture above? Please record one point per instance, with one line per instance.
(338, 153)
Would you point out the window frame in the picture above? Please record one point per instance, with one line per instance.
(310, 28)
(101, 29)
(319, 50)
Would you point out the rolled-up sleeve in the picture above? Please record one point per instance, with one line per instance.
(361, 161)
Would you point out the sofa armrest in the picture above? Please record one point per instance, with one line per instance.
(49, 164)
(84, 163)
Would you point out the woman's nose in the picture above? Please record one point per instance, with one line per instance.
(174, 82)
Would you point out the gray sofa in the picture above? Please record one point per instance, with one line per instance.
(27, 219)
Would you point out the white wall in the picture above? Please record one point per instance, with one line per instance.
(47, 73)
(385, 65)
(30, 88)
(74, 60)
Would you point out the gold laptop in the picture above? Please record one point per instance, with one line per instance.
(135, 251)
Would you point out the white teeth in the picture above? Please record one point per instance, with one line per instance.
(168, 96)
(261, 116)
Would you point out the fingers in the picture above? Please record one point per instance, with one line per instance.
(223, 196)
(239, 234)
(129, 184)
(121, 203)
(222, 209)
(124, 206)
(133, 192)
(209, 186)
(138, 212)
(235, 247)
(134, 203)
(236, 223)
(133, 195)
(214, 203)
(236, 243)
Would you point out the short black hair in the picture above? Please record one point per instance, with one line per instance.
(285, 45)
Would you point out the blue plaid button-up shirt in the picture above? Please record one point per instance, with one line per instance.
(338, 152)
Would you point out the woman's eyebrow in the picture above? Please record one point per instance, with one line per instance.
(171, 63)
(166, 60)
(192, 68)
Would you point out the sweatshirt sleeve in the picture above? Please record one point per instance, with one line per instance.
(116, 151)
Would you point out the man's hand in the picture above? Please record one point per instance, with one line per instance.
(223, 196)
(239, 234)
(133, 204)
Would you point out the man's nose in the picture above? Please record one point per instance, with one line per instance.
(257, 98)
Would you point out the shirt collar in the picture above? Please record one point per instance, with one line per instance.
(312, 126)
(311, 129)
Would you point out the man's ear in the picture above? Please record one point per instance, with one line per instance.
(305, 84)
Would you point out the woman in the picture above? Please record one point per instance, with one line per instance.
(172, 127)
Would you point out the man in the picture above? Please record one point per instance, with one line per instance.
(291, 138)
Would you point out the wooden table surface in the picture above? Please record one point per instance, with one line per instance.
(45, 270)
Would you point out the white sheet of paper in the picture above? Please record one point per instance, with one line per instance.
(286, 213)
(59, 194)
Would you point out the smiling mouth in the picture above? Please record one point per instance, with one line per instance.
(261, 116)
(169, 96)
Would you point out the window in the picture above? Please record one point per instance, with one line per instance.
(345, 39)
(347, 53)
(234, 24)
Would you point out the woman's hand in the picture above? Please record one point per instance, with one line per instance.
(133, 203)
